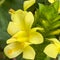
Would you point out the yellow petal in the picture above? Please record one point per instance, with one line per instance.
(51, 51)
(37, 28)
(18, 17)
(21, 36)
(51, 1)
(13, 28)
(13, 50)
(11, 40)
(29, 53)
(28, 4)
(55, 41)
(36, 38)
(29, 19)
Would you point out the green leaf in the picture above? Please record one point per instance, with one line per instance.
(48, 11)
(57, 18)
(55, 25)
(56, 5)
(4, 20)
(47, 58)
(48, 18)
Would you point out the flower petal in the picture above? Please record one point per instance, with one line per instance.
(14, 49)
(36, 38)
(18, 18)
(13, 28)
(51, 1)
(55, 41)
(28, 4)
(21, 36)
(29, 19)
(37, 28)
(29, 53)
(51, 51)
(11, 40)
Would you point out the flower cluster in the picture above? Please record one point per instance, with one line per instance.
(23, 35)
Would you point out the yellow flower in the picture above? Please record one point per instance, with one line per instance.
(53, 49)
(22, 35)
(28, 4)
(51, 1)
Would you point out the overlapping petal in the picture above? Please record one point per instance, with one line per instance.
(29, 19)
(21, 20)
(14, 49)
(11, 40)
(20, 36)
(17, 19)
(51, 50)
(13, 28)
(28, 4)
(29, 53)
(17, 16)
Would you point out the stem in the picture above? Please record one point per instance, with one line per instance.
(14, 59)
